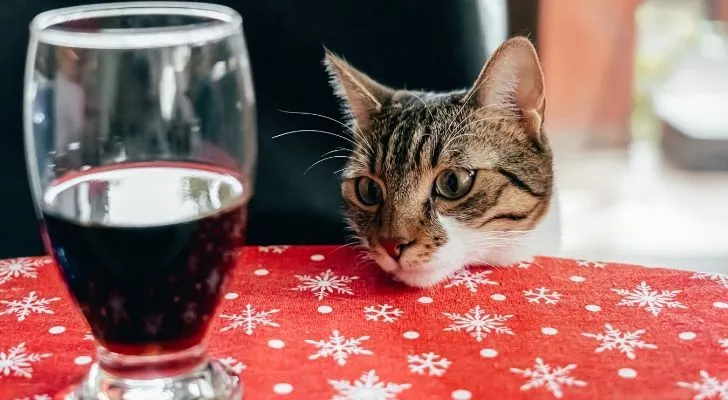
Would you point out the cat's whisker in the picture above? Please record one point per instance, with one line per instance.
(322, 160)
(349, 244)
(357, 134)
(466, 123)
(507, 105)
(335, 151)
(315, 131)
(537, 264)
(423, 103)
(460, 128)
(366, 259)
(466, 100)
(353, 132)
(467, 118)
(445, 148)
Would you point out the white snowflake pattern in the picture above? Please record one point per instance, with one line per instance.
(367, 387)
(385, 312)
(25, 267)
(249, 319)
(36, 397)
(537, 295)
(339, 347)
(590, 264)
(232, 363)
(724, 344)
(325, 283)
(19, 362)
(471, 280)
(479, 324)
(708, 388)
(428, 363)
(272, 249)
(28, 305)
(625, 342)
(523, 264)
(720, 279)
(653, 301)
(552, 378)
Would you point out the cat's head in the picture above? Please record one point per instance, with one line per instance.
(439, 181)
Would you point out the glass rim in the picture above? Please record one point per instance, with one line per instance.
(222, 22)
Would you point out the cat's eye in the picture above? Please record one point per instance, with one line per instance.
(455, 183)
(368, 191)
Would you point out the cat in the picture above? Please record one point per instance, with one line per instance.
(439, 181)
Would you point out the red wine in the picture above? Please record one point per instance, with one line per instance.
(145, 248)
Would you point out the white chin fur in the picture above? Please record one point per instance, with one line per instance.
(468, 246)
(425, 279)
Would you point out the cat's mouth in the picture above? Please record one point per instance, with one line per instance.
(421, 266)
(387, 263)
(412, 273)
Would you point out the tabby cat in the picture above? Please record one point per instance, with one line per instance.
(438, 181)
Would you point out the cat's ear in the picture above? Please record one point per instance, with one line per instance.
(363, 96)
(513, 79)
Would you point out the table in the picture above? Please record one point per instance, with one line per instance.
(314, 323)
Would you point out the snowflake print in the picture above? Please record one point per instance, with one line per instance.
(724, 344)
(469, 279)
(28, 305)
(367, 387)
(708, 388)
(339, 348)
(428, 363)
(272, 249)
(590, 264)
(625, 342)
(720, 279)
(653, 301)
(19, 362)
(537, 295)
(232, 363)
(249, 319)
(324, 284)
(385, 312)
(20, 268)
(553, 379)
(479, 324)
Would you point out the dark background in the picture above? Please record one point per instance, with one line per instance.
(437, 45)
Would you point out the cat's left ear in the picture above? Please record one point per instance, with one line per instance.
(513, 79)
(364, 96)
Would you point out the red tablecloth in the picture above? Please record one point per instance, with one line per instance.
(313, 323)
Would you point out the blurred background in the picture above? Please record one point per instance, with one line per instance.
(637, 96)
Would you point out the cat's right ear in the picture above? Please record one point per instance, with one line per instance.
(364, 97)
(513, 79)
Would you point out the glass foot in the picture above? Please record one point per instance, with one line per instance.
(209, 381)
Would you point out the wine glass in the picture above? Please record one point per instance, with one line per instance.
(140, 144)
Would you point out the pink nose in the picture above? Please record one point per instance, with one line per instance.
(395, 246)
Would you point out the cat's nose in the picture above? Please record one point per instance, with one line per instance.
(395, 246)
